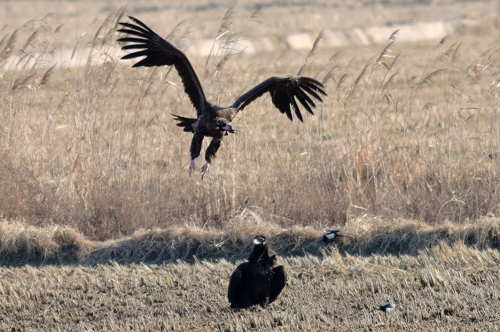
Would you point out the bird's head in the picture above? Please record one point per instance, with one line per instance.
(222, 125)
(259, 240)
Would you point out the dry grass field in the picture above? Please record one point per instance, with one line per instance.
(446, 288)
(103, 229)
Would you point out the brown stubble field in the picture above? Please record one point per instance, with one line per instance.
(441, 289)
(402, 155)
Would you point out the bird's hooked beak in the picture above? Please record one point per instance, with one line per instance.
(227, 127)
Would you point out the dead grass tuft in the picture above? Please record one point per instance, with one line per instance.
(375, 235)
(23, 244)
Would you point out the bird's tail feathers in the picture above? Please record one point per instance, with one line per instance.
(187, 123)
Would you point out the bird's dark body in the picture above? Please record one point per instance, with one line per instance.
(252, 288)
(258, 281)
(206, 124)
(287, 93)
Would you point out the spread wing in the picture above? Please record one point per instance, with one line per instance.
(234, 281)
(284, 93)
(278, 282)
(158, 52)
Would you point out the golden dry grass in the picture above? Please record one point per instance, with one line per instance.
(402, 155)
(407, 131)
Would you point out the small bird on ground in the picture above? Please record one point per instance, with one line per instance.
(257, 281)
(387, 307)
(331, 235)
(287, 93)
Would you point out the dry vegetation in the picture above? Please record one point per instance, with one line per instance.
(401, 135)
(403, 155)
(440, 289)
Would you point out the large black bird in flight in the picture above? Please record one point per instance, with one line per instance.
(212, 120)
(258, 281)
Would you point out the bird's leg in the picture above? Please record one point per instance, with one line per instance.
(195, 150)
(192, 166)
(211, 151)
(204, 169)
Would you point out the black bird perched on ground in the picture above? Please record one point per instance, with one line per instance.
(256, 281)
(212, 120)
(331, 235)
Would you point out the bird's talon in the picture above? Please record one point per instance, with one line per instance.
(204, 169)
(192, 166)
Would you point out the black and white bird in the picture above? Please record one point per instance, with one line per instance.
(331, 235)
(287, 93)
(387, 307)
(258, 281)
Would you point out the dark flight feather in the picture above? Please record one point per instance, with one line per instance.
(158, 52)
